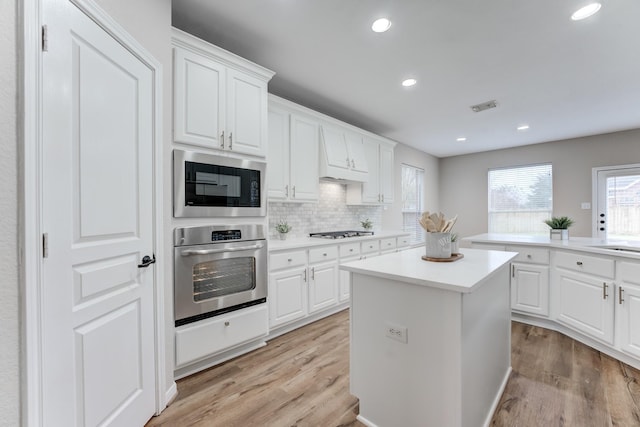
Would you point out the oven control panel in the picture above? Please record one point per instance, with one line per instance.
(225, 235)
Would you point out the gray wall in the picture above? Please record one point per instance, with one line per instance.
(463, 179)
(392, 215)
(9, 302)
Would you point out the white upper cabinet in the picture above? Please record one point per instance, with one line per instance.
(220, 99)
(378, 189)
(292, 170)
(342, 155)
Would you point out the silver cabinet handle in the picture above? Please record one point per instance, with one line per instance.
(230, 140)
(579, 262)
(513, 270)
(289, 260)
(379, 198)
(313, 273)
(351, 250)
(383, 198)
(286, 190)
(304, 278)
(324, 254)
(226, 323)
(348, 162)
(294, 191)
(604, 290)
(529, 256)
(188, 252)
(222, 140)
(620, 292)
(353, 164)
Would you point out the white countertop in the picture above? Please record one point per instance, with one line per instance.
(277, 244)
(583, 244)
(407, 266)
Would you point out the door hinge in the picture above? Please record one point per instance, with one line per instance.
(45, 245)
(45, 39)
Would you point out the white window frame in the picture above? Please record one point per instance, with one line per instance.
(599, 177)
(415, 238)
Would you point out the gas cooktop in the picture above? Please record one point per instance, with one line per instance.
(341, 234)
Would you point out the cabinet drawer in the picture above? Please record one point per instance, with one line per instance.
(388, 244)
(211, 336)
(402, 242)
(529, 254)
(488, 246)
(281, 260)
(629, 272)
(349, 250)
(370, 246)
(602, 267)
(326, 253)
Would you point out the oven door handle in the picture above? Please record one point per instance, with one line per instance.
(188, 252)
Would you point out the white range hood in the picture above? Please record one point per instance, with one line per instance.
(342, 155)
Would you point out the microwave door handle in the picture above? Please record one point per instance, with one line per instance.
(188, 252)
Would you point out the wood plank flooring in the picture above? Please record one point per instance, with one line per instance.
(302, 379)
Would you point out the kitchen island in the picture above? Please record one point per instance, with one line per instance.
(430, 341)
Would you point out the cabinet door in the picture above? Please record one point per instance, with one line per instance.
(304, 159)
(278, 156)
(585, 303)
(628, 306)
(357, 156)
(530, 289)
(335, 148)
(345, 281)
(386, 173)
(323, 286)
(287, 296)
(199, 100)
(371, 188)
(246, 114)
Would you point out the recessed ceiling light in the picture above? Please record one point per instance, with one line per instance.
(586, 11)
(461, 139)
(409, 82)
(381, 25)
(523, 127)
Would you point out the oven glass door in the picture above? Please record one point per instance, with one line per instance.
(217, 278)
(221, 186)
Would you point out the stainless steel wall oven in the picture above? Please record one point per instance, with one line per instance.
(205, 185)
(218, 269)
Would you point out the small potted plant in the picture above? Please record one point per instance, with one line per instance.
(455, 246)
(366, 224)
(283, 228)
(559, 227)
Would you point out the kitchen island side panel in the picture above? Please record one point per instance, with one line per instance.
(486, 347)
(416, 383)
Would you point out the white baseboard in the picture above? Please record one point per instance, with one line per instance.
(365, 421)
(496, 400)
(281, 330)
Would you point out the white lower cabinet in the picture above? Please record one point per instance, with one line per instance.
(585, 301)
(323, 286)
(530, 288)
(211, 336)
(628, 307)
(287, 296)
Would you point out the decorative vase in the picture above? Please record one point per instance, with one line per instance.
(438, 245)
(283, 236)
(559, 234)
(455, 248)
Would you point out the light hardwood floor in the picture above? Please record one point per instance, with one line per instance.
(302, 379)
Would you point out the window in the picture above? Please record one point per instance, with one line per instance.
(520, 199)
(616, 202)
(412, 201)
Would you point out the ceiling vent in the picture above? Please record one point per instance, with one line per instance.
(484, 106)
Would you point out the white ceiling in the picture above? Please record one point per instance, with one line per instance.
(564, 79)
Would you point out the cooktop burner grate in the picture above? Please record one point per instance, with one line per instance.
(341, 234)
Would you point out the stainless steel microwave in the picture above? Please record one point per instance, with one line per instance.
(206, 185)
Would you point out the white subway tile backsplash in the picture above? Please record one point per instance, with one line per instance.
(331, 213)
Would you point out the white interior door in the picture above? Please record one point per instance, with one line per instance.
(617, 202)
(98, 363)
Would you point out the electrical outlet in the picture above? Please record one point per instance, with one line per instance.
(396, 332)
(585, 205)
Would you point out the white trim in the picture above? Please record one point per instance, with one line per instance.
(31, 222)
(594, 193)
(498, 397)
(31, 282)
